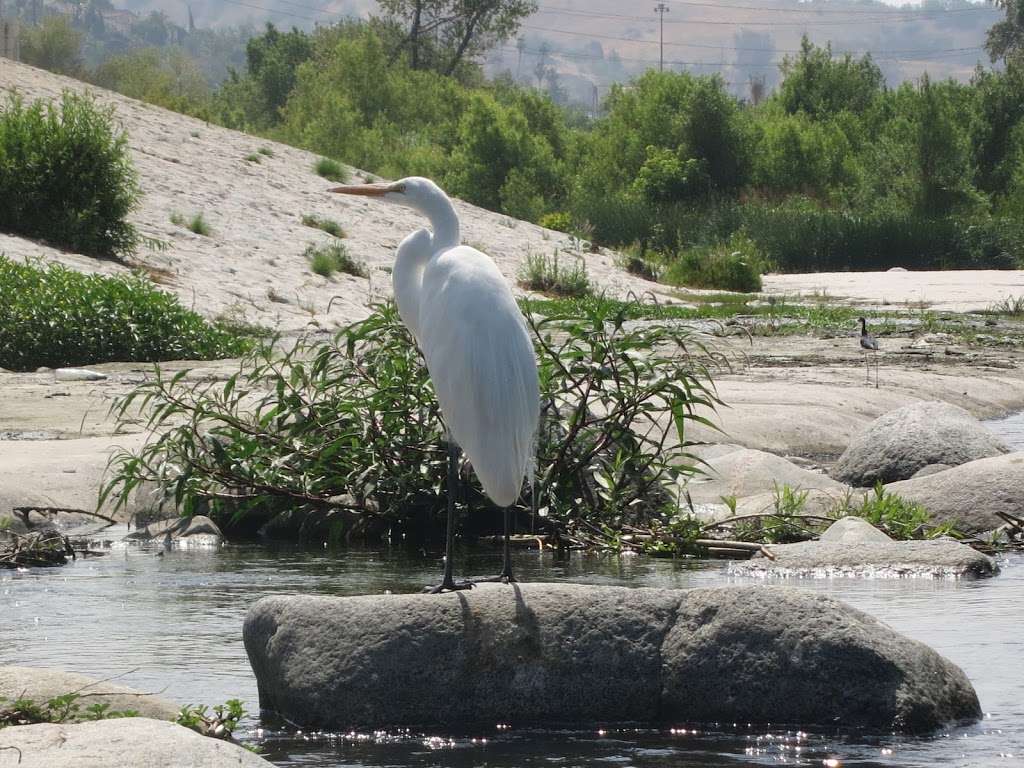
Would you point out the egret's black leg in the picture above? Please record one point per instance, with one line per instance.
(506, 567)
(448, 583)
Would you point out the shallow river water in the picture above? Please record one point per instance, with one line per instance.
(172, 623)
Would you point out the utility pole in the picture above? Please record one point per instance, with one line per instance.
(661, 9)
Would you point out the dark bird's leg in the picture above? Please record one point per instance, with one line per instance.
(506, 576)
(506, 568)
(876, 369)
(448, 583)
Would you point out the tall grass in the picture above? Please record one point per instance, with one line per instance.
(329, 226)
(330, 169)
(327, 259)
(66, 176)
(545, 274)
(54, 316)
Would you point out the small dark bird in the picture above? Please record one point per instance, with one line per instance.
(869, 344)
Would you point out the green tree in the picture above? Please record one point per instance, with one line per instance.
(464, 29)
(819, 85)
(943, 156)
(164, 76)
(273, 59)
(1005, 40)
(53, 45)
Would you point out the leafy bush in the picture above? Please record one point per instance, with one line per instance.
(559, 221)
(59, 709)
(53, 316)
(331, 170)
(334, 257)
(343, 438)
(327, 225)
(899, 518)
(546, 275)
(732, 266)
(66, 176)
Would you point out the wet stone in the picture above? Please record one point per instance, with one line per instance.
(576, 654)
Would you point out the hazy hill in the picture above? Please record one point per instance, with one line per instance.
(252, 264)
(591, 44)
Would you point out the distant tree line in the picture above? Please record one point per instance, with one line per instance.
(831, 170)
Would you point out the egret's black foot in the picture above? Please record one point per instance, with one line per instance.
(452, 586)
(504, 578)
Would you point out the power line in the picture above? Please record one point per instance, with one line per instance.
(680, 62)
(896, 17)
(879, 55)
(696, 45)
(819, 11)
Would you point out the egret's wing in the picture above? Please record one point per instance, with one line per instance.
(482, 364)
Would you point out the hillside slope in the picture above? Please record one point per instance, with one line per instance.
(252, 264)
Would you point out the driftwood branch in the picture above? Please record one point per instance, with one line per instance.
(24, 512)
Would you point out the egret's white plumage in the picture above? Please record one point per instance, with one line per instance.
(459, 308)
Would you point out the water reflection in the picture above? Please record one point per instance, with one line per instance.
(173, 624)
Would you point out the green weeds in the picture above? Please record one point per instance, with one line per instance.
(54, 316)
(326, 225)
(327, 259)
(545, 274)
(331, 170)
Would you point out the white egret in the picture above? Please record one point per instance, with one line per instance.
(870, 346)
(459, 308)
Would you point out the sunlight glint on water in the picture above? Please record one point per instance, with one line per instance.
(176, 621)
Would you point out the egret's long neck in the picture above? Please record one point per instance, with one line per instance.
(443, 220)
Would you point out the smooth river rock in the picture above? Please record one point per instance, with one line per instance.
(747, 472)
(134, 742)
(40, 684)
(853, 530)
(899, 443)
(970, 495)
(877, 559)
(579, 654)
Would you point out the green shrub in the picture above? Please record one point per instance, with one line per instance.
(53, 316)
(66, 176)
(326, 225)
(546, 275)
(266, 151)
(901, 519)
(254, 158)
(735, 265)
(334, 257)
(559, 221)
(342, 438)
(331, 170)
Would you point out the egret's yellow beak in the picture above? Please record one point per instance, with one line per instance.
(366, 190)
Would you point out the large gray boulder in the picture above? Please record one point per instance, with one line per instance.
(876, 559)
(42, 684)
(899, 443)
(570, 653)
(970, 495)
(133, 742)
